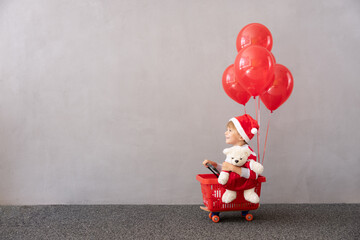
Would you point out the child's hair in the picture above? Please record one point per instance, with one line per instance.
(231, 125)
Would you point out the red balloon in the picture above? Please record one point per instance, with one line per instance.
(254, 34)
(254, 69)
(280, 90)
(232, 87)
(272, 55)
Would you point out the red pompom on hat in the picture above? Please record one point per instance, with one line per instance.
(246, 126)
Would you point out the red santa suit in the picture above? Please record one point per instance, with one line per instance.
(248, 178)
(238, 183)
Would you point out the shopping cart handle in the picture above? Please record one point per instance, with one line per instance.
(213, 170)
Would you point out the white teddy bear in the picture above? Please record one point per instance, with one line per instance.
(238, 156)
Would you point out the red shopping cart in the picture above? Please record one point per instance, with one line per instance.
(212, 192)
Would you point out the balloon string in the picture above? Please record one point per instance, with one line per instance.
(257, 135)
(267, 132)
(259, 111)
(244, 109)
(258, 132)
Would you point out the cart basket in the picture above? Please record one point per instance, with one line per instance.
(212, 192)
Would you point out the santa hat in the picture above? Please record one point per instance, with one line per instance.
(246, 126)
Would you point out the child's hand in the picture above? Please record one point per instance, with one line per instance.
(231, 168)
(208, 161)
(227, 167)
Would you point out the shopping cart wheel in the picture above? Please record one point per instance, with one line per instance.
(215, 218)
(210, 215)
(249, 217)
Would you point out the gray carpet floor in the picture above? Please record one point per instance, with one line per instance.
(271, 221)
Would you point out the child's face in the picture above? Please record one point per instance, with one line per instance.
(233, 137)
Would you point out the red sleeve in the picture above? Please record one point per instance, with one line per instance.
(253, 175)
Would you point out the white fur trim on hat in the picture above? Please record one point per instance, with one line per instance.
(240, 129)
(254, 131)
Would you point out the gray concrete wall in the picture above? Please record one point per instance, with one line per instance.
(120, 101)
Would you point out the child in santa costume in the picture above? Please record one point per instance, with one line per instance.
(240, 130)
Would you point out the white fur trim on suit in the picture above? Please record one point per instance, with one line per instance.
(240, 129)
(245, 173)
